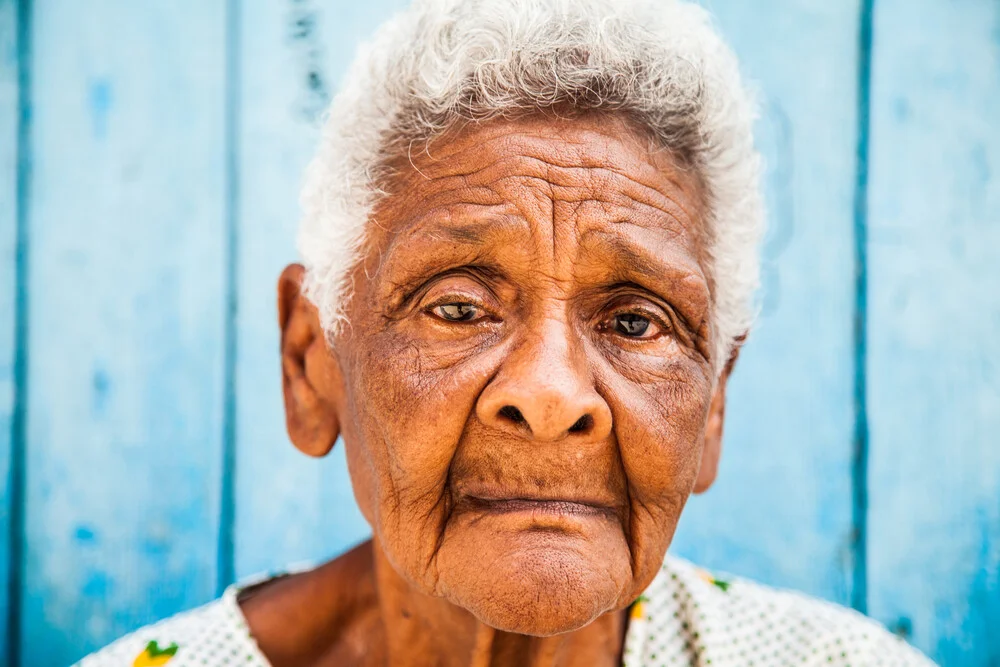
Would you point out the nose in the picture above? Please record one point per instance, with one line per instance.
(543, 390)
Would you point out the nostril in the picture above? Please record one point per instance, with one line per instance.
(582, 424)
(511, 413)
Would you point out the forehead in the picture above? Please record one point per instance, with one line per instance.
(593, 157)
(590, 188)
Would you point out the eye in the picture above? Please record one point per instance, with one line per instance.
(633, 325)
(457, 312)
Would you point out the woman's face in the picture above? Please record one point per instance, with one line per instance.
(525, 383)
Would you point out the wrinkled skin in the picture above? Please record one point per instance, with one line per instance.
(526, 397)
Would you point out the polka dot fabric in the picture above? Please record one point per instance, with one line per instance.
(215, 635)
(686, 617)
(692, 618)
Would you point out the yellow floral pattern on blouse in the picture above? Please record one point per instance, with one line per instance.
(154, 656)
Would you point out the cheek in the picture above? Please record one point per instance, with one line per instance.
(660, 407)
(410, 404)
(661, 436)
(659, 426)
(416, 401)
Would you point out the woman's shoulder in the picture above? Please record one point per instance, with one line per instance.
(698, 617)
(214, 634)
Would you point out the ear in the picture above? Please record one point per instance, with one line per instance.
(713, 430)
(310, 374)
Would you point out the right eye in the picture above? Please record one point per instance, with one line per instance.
(457, 312)
(633, 325)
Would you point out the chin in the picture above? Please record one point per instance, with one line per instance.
(537, 617)
(542, 589)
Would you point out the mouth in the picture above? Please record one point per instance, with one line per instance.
(539, 507)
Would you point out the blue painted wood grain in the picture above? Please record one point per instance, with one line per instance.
(9, 129)
(289, 507)
(126, 319)
(781, 510)
(934, 320)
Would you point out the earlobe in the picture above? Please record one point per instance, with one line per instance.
(712, 451)
(310, 377)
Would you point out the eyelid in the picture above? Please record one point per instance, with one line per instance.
(477, 274)
(412, 297)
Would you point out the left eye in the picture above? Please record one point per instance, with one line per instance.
(457, 312)
(632, 325)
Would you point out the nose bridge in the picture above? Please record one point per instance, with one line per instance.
(555, 357)
(544, 387)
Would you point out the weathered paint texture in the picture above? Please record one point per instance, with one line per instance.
(126, 267)
(934, 326)
(164, 149)
(10, 127)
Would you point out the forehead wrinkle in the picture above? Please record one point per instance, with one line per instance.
(480, 189)
(540, 135)
(604, 182)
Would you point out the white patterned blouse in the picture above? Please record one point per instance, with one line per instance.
(686, 617)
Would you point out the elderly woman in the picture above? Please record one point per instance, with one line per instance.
(529, 257)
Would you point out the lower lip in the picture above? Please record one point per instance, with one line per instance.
(536, 507)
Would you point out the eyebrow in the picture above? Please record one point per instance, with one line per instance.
(663, 263)
(478, 231)
(624, 251)
(664, 270)
(625, 254)
(474, 233)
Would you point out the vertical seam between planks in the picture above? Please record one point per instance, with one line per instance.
(225, 569)
(859, 472)
(18, 451)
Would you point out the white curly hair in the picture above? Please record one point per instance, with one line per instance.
(444, 62)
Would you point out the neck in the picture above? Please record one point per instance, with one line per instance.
(422, 630)
(356, 610)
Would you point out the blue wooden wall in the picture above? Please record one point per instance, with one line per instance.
(150, 155)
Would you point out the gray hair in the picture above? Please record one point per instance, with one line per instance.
(444, 62)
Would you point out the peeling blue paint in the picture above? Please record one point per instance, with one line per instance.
(85, 534)
(101, 385)
(100, 106)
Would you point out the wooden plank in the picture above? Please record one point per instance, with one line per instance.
(781, 510)
(289, 508)
(934, 320)
(9, 111)
(127, 268)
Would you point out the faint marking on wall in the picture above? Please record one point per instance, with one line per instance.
(100, 105)
(903, 627)
(781, 217)
(313, 94)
